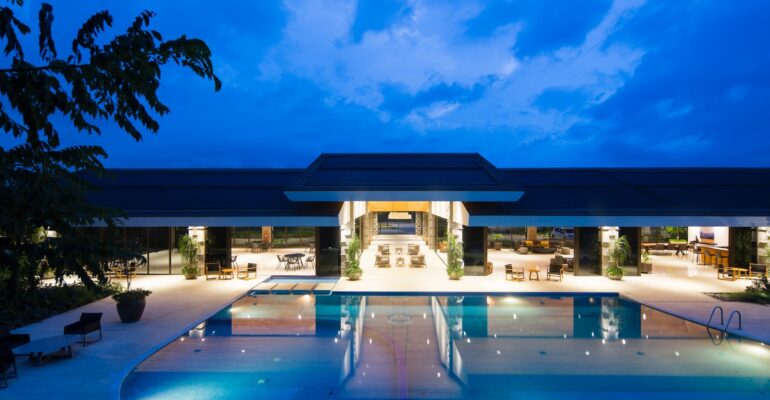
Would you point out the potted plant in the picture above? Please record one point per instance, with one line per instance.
(353, 270)
(454, 255)
(497, 240)
(188, 249)
(131, 303)
(618, 252)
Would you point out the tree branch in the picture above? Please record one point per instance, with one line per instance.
(44, 68)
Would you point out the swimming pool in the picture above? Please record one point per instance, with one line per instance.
(450, 347)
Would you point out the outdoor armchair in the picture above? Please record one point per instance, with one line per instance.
(757, 270)
(88, 323)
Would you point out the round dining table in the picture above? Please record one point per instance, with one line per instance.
(295, 259)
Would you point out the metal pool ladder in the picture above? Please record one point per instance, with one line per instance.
(718, 340)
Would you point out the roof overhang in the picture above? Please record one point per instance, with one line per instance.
(404, 195)
(617, 220)
(464, 177)
(230, 221)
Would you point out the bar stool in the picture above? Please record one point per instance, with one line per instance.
(723, 259)
(712, 258)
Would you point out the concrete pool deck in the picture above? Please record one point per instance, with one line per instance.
(175, 304)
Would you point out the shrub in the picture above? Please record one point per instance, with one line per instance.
(49, 300)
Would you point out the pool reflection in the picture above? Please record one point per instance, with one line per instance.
(306, 346)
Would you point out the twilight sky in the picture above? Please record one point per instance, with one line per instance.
(524, 83)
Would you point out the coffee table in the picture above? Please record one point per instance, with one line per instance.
(534, 270)
(44, 349)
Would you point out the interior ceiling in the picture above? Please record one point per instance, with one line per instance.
(389, 206)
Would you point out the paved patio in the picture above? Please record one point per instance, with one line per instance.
(176, 304)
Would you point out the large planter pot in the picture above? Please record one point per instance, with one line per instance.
(132, 310)
(615, 277)
(645, 268)
(455, 276)
(191, 276)
(498, 245)
(354, 276)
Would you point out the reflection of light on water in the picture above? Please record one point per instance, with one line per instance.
(756, 350)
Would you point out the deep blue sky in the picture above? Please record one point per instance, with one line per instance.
(524, 83)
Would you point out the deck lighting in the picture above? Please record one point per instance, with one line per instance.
(243, 350)
(468, 340)
(336, 340)
(588, 353)
(604, 341)
(676, 353)
(498, 352)
(515, 316)
(427, 341)
(623, 341)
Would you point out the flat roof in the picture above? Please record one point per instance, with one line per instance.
(209, 193)
(637, 192)
(403, 177)
(546, 196)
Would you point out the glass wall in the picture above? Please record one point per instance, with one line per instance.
(589, 254)
(632, 265)
(663, 234)
(562, 236)
(293, 236)
(511, 235)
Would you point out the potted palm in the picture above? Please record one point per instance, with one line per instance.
(188, 249)
(353, 270)
(454, 255)
(131, 303)
(497, 240)
(619, 252)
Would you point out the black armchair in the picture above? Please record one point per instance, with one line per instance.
(88, 323)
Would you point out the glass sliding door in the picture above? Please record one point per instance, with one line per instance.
(158, 251)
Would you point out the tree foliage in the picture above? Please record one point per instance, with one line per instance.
(42, 183)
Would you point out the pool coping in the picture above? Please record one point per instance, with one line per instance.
(124, 373)
(134, 362)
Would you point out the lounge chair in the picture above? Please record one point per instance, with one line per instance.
(417, 261)
(413, 249)
(556, 270)
(88, 323)
(212, 268)
(382, 262)
(250, 267)
(757, 270)
(310, 262)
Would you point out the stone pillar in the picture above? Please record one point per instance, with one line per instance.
(267, 234)
(763, 244)
(531, 233)
(608, 236)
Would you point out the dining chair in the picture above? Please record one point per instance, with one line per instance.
(281, 260)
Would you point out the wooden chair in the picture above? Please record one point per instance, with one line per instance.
(556, 270)
(758, 271)
(244, 274)
(725, 273)
(513, 274)
(212, 268)
(417, 261)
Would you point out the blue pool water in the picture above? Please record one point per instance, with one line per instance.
(450, 347)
